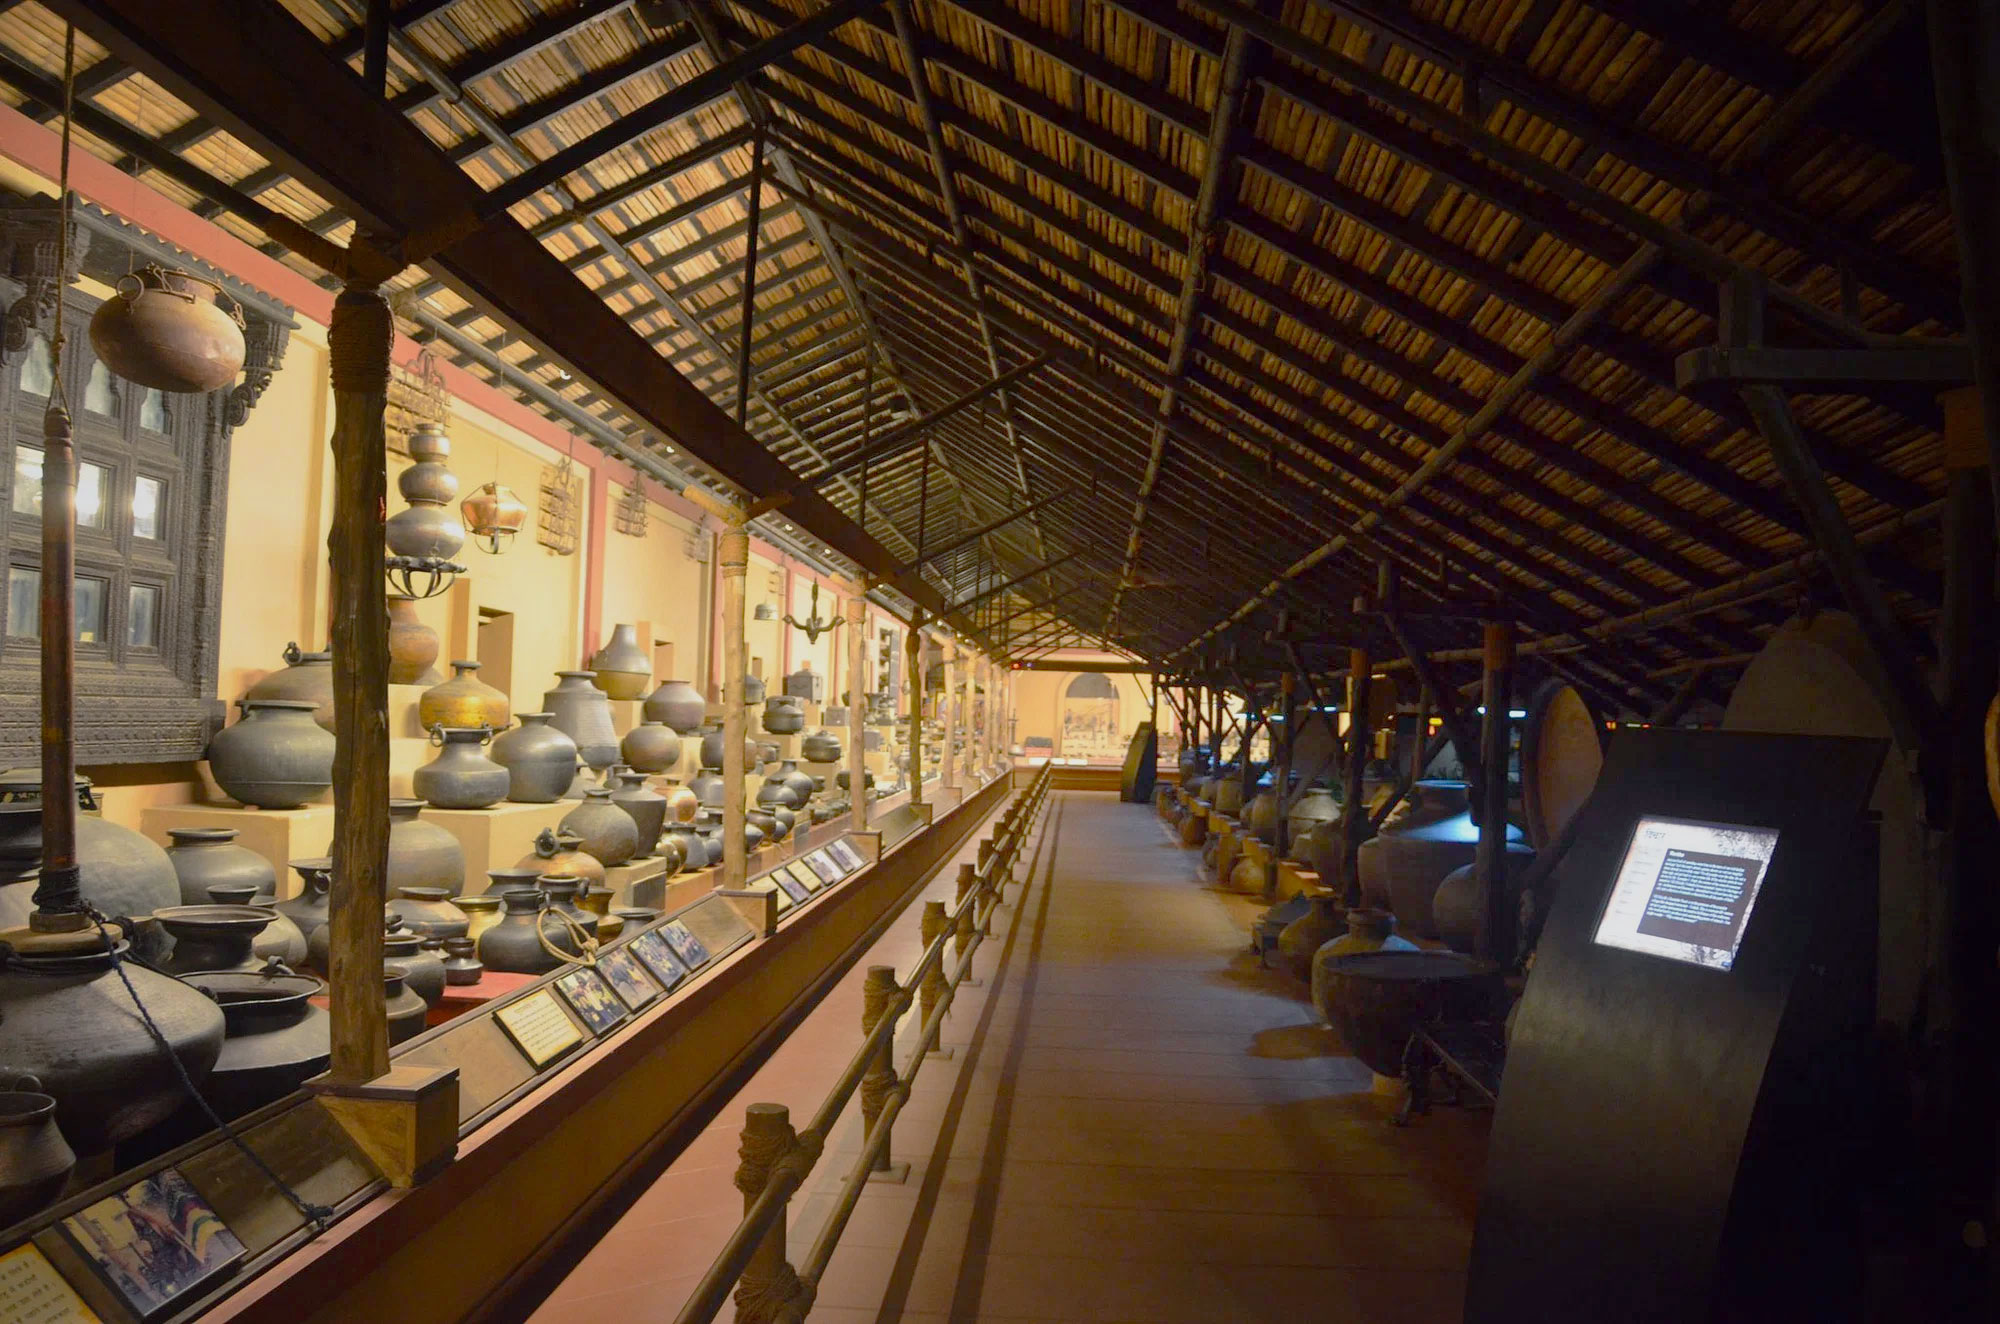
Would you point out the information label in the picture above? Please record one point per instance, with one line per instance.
(32, 1292)
(1686, 888)
(539, 1027)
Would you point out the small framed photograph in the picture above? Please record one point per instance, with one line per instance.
(790, 886)
(155, 1243)
(628, 979)
(653, 953)
(822, 864)
(849, 858)
(539, 1027)
(686, 946)
(591, 998)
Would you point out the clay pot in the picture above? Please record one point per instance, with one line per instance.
(514, 945)
(165, 328)
(312, 907)
(540, 760)
(821, 746)
(205, 858)
(430, 912)
(646, 807)
(672, 850)
(464, 701)
(1455, 906)
(707, 788)
(1323, 921)
(709, 829)
(693, 850)
(651, 747)
(274, 757)
(413, 646)
(561, 851)
(1316, 805)
(407, 1011)
(774, 792)
(422, 965)
(583, 713)
(69, 1022)
(461, 776)
(211, 937)
(1260, 816)
(622, 668)
(1377, 999)
(305, 676)
(682, 804)
(482, 912)
(1404, 863)
(422, 854)
(678, 704)
(801, 783)
(753, 691)
(783, 715)
(606, 832)
(461, 961)
(35, 1160)
(1323, 849)
(1226, 793)
(763, 821)
(1368, 930)
(274, 1041)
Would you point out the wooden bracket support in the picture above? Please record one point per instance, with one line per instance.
(758, 907)
(405, 1120)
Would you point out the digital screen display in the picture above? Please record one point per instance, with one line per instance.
(1685, 889)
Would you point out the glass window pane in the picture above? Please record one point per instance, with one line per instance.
(36, 377)
(89, 610)
(146, 500)
(99, 396)
(27, 498)
(92, 480)
(142, 622)
(153, 410)
(24, 603)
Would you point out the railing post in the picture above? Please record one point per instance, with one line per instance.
(968, 879)
(934, 928)
(878, 996)
(768, 1281)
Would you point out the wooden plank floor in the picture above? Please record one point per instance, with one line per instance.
(1136, 1124)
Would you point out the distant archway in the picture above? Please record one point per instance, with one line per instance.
(1089, 727)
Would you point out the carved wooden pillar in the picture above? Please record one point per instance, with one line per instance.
(735, 556)
(1354, 806)
(358, 343)
(857, 704)
(969, 765)
(913, 646)
(948, 766)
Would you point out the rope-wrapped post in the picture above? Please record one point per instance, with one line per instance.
(878, 995)
(968, 881)
(934, 927)
(768, 1282)
(735, 556)
(358, 343)
(857, 735)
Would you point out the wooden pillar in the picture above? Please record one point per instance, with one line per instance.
(947, 696)
(968, 764)
(857, 706)
(768, 1139)
(358, 343)
(1282, 759)
(58, 889)
(1354, 826)
(735, 556)
(1495, 936)
(913, 648)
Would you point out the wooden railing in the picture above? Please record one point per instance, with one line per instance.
(776, 1160)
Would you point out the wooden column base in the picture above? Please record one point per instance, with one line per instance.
(405, 1120)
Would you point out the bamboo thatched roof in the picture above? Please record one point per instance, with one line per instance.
(1304, 285)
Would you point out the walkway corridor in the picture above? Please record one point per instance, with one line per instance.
(1136, 1124)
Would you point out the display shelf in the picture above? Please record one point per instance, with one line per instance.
(622, 879)
(1294, 878)
(461, 998)
(498, 837)
(279, 835)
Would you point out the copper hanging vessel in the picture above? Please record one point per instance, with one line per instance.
(167, 329)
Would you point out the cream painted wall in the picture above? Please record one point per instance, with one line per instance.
(820, 653)
(763, 640)
(1038, 705)
(658, 580)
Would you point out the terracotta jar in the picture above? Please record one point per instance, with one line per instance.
(461, 776)
(204, 858)
(35, 1160)
(621, 668)
(430, 912)
(166, 328)
(274, 1040)
(461, 961)
(540, 760)
(305, 676)
(413, 646)
(682, 804)
(1315, 805)
(712, 751)
(558, 851)
(651, 747)
(422, 963)
(1260, 816)
(801, 783)
(1321, 922)
(762, 822)
(69, 1023)
(1402, 865)
(464, 701)
(646, 807)
(422, 854)
(274, 757)
(1368, 930)
(583, 713)
(606, 832)
(406, 1011)
(515, 944)
(678, 704)
(211, 937)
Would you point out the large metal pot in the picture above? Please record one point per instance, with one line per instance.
(166, 329)
(209, 857)
(646, 808)
(678, 704)
(275, 757)
(540, 760)
(422, 854)
(461, 776)
(651, 746)
(304, 676)
(464, 701)
(607, 833)
(274, 1041)
(621, 668)
(821, 746)
(784, 715)
(583, 712)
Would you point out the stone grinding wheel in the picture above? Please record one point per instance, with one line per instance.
(1562, 751)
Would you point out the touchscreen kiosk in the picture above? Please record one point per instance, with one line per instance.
(1679, 1116)
(1684, 889)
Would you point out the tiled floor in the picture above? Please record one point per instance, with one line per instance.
(1136, 1124)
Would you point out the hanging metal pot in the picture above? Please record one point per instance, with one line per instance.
(165, 328)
